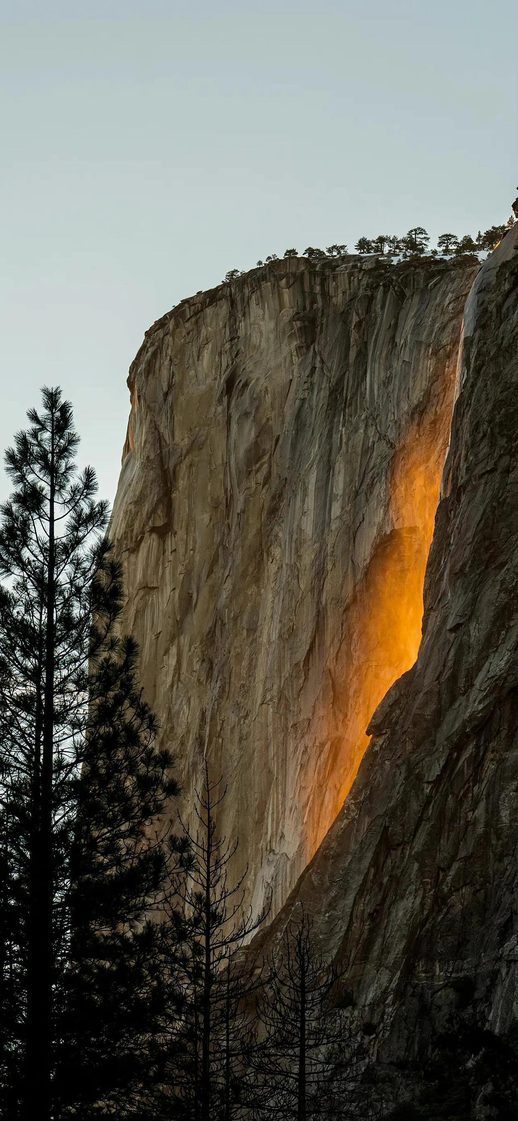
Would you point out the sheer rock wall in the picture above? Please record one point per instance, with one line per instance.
(414, 889)
(274, 513)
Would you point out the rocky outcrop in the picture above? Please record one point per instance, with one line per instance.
(414, 890)
(274, 514)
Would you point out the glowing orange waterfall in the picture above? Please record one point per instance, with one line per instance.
(382, 624)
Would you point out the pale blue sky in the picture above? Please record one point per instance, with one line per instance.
(146, 148)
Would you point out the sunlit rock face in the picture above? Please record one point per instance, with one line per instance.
(414, 888)
(274, 514)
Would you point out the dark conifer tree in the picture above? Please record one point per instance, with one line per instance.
(210, 1042)
(381, 243)
(490, 238)
(9, 1053)
(364, 245)
(307, 1061)
(80, 782)
(464, 245)
(415, 241)
(119, 993)
(447, 244)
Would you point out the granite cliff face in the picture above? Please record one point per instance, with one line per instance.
(414, 890)
(275, 510)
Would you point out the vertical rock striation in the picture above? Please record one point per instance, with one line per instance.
(274, 513)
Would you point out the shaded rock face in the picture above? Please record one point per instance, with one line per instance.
(275, 509)
(414, 889)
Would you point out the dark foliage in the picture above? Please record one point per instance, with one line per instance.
(470, 1072)
(210, 1042)
(415, 243)
(82, 788)
(308, 1060)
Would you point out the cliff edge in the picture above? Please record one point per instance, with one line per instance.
(414, 890)
(274, 515)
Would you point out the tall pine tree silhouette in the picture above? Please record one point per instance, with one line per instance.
(83, 795)
(309, 1056)
(211, 1039)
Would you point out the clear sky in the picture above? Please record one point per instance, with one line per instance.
(147, 146)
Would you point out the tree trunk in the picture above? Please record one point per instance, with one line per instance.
(37, 1087)
(206, 996)
(196, 1058)
(301, 1081)
(227, 1110)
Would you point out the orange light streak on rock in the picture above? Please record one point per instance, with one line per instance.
(382, 625)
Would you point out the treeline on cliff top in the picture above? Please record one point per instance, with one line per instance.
(415, 243)
(125, 988)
